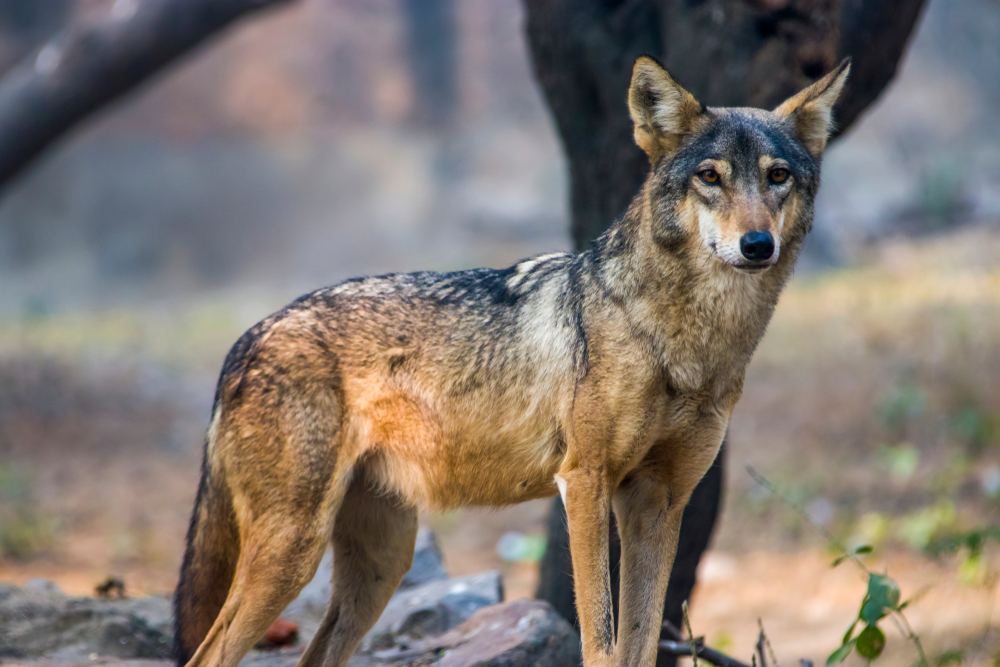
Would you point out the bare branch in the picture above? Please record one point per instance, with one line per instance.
(711, 656)
(85, 67)
(680, 647)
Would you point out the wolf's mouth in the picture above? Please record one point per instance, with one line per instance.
(752, 267)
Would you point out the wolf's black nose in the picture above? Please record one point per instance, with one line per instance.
(757, 246)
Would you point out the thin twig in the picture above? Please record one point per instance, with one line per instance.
(760, 648)
(687, 623)
(767, 642)
(914, 638)
(766, 483)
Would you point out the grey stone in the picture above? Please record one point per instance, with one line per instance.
(433, 608)
(523, 633)
(428, 564)
(39, 620)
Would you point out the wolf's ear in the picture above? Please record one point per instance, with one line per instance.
(661, 110)
(811, 109)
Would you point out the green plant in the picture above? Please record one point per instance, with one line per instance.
(920, 527)
(900, 461)
(976, 428)
(970, 544)
(904, 403)
(881, 600)
(24, 531)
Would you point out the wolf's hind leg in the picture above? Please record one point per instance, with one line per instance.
(285, 522)
(373, 540)
(277, 558)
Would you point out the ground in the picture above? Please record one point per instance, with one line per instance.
(872, 403)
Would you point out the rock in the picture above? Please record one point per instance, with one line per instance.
(96, 662)
(523, 633)
(433, 608)
(39, 620)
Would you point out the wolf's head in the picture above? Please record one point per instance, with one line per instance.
(737, 184)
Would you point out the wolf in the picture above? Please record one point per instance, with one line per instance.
(607, 376)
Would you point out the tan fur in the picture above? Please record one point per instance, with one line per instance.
(812, 109)
(608, 377)
(661, 110)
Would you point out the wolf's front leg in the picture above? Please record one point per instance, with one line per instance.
(587, 495)
(649, 523)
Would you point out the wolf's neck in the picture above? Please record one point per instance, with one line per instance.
(706, 317)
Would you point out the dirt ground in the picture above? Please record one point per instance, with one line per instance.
(872, 403)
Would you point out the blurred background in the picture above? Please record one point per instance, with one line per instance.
(335, 138)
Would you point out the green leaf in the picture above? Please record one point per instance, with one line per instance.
(870, 642)
(863, 549)
(883, 597)
(841, 653)
(872, 612)
(850, 632)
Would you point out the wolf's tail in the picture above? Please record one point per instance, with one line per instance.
(209, 562)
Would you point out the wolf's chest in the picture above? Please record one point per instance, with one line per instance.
(713, 336)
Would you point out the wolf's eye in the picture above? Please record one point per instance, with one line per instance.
(779, 175)
(710, 176)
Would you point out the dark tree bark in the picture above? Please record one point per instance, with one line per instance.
(727, 53)
(84, 68)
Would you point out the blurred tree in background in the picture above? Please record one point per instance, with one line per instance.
(84, 67)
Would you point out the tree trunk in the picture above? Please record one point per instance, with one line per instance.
(727, 53)
(84, 68)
